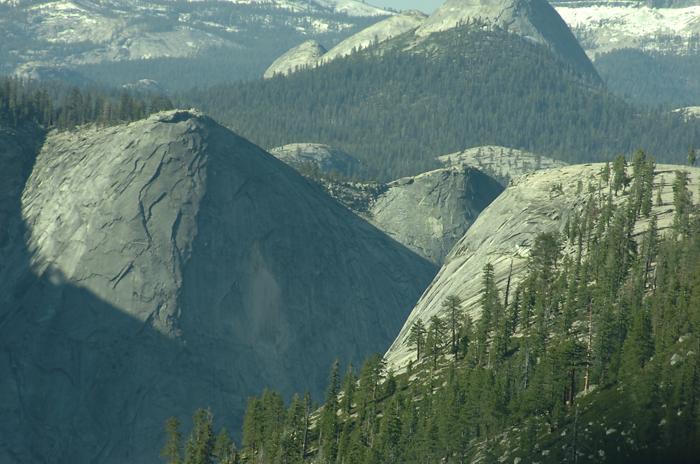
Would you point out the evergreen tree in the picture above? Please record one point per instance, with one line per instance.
(349, 387)
(620, 312)
(435, 340)
(682, 203)
(490, 311)
(224, 451)
(200, 444)
(452, 306)
(620, 179)
(417, 337)
(172, 451)
(692, 156)
(329, 426)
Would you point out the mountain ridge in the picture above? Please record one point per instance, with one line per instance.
(137, 39)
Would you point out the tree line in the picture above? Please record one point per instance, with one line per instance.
(57, 106)
(593, 356)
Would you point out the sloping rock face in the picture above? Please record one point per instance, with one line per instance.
(327, 160)
(503, 234)
(302, 56)
(430, 212)
(377, 33)
(171, 264)
(534, 19)
(501, 163)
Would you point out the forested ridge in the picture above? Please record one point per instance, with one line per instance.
(397, 109)
(593, 357)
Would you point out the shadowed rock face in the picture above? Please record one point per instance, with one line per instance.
(503, 234)
(170, 264)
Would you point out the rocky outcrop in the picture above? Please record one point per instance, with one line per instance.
(377, 33)
(502, 235)
(501, 163)
(533, 19)
(318, 157)
(689, 112)
(428, 213)
(302, 56)
(170, 264)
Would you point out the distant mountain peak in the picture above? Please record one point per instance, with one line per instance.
(536, 20)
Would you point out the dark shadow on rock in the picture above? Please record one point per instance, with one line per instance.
(81, 381)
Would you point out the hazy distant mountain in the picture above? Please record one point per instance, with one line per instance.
(149, 39)
(605, 26)
(376, 34)
(302, 56)
(648, 52)
(318, 157)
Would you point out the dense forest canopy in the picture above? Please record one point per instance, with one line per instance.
(594, 357)
(397, 110)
